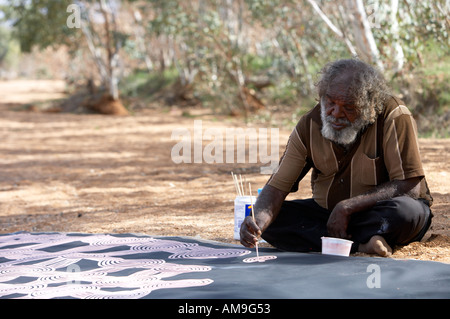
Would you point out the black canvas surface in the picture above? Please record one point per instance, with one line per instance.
(130, 266)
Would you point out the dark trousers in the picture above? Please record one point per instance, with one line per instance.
(301, 223)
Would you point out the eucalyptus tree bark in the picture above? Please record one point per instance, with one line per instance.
(362, 32)
(333, 27)
(233, 32)
(108, 65)
(398, 56)
(95, 52)
(112, 49)
(139, 33)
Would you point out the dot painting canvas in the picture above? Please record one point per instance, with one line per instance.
(132, 266)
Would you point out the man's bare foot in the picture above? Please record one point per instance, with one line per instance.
(376, 245)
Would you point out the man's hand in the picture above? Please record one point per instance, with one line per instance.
(338, 221)
(340, 216)
(249, 232)
(266, 207)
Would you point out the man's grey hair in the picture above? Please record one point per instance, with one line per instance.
(368, 88)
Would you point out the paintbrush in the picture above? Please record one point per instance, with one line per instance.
(239, 191)
(253, 216)
(235, 184)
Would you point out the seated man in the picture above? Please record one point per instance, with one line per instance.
(367, 179)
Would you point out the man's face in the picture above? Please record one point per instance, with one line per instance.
(340, 111)
(340, 119)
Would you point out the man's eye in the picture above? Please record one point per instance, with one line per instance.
(350, 109)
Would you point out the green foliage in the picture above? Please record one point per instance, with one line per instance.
(425, 90)
(218, 48)
(144, 84)
(9, 49)
(257, 64)
(40, 23)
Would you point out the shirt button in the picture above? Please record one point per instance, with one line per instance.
(342, 181)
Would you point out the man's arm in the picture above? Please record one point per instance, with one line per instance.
(340, 216)
(266, 209)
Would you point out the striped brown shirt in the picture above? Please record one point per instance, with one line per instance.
(386, 150)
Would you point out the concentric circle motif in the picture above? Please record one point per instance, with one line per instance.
(260, 259)
(102, 266)
(163, 245)
(206, 253)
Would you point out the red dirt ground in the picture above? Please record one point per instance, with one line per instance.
(104, 174)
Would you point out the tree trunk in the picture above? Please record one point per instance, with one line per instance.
(397, 50)
(112, 53)
(364, 40)
(108, 103)
(139, 33)
(332, 27)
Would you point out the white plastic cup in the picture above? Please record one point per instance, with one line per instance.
(336, 246)
(242, 209)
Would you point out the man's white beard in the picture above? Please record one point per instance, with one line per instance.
(345, 136)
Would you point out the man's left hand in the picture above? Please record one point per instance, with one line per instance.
(338, 221)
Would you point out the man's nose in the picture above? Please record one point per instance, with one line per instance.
(337, 111)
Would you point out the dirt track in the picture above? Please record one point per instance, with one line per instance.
(100, 174)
